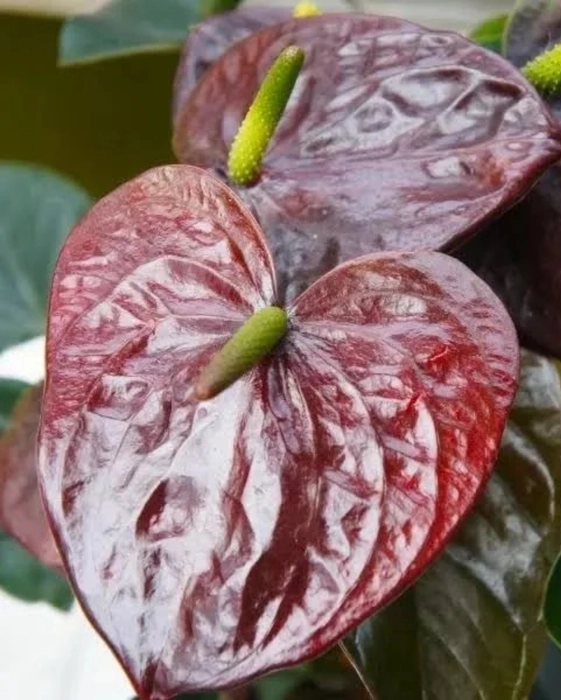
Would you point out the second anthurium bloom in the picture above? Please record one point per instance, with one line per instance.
(395, 137)
(215, 529)
(520, 254)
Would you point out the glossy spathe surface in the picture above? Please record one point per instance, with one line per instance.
(396, 138)
(486, 590)
(212, 542)
(209, 40)
(520, 254)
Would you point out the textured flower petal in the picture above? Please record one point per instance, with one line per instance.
(211, 38)
(211, 542)
(519, 255)
(395, 138)
(455, 331)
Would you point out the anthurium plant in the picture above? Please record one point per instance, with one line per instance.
(299, 434)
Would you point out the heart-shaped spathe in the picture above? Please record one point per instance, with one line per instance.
(210, 542)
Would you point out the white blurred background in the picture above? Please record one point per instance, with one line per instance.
(46, 654)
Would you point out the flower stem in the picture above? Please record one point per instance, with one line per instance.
(371, 695)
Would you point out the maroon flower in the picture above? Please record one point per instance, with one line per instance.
(520, 254)
(212, 541)
(396, 137)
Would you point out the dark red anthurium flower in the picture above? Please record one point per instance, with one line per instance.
(212, 541)
(395, 138)
(520, 254)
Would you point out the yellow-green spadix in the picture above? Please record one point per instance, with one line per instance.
(257, 129)
(306, 9)
(256, 339)
(544, 71)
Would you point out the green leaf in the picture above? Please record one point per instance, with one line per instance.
(37, 210)
(10, 392)
(278, 686)
(470, 627)
(24, 577)
(214, 7)
(490, 33)
(552, 605)
(100, 124)
(133, 26)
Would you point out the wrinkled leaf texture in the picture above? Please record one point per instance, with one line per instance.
(520, 254)
(470, 627)
(209, 543)
(395, 138)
